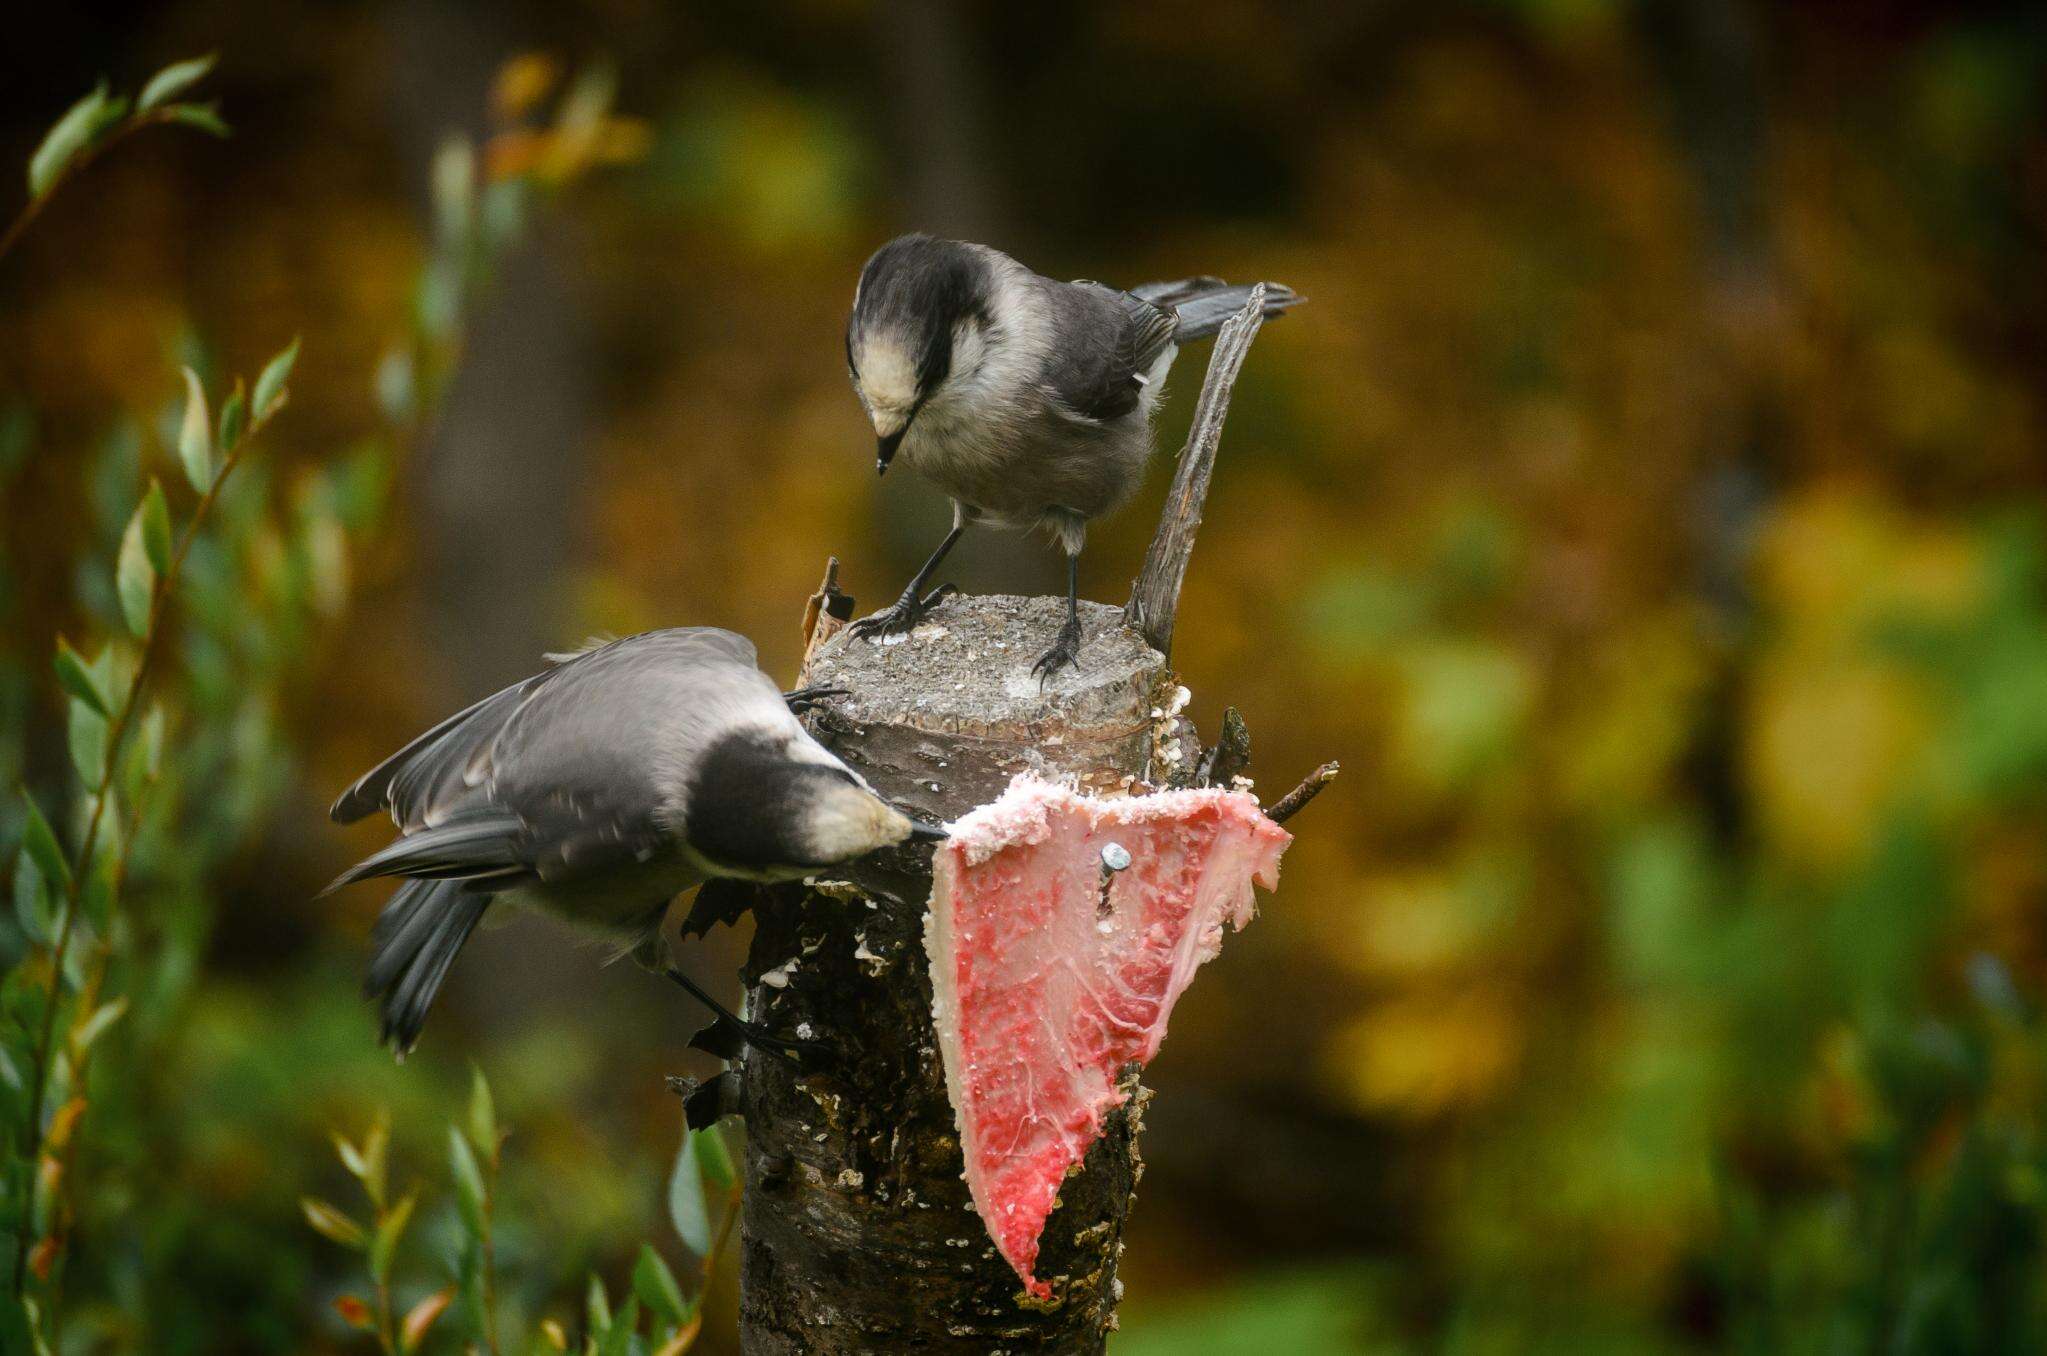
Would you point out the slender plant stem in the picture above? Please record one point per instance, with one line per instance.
(117, 730)
(121, 132)
(88, 1003)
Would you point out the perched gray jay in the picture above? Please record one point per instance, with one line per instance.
(597, 790)
(1029, 401)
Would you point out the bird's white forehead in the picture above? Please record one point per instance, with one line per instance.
(888, 375)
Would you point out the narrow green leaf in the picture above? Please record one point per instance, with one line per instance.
(597, 1308)
(156, 526)
(205, 117)
(469, 1189)
(655, 1284)
(714, 1158)
(688, 1210)
(270, 385)
(68, 136)
(351, 1157)
(39, 840)
(76, 678)
(95, 1026)
(376, 1152)
(195, 437)
(390, 1229)
(331, 1223)
(152, 742)
(33, 907)
(135, 577)
(86, 735)
(172, 81)
(619, 1341)
(483, 1116)
(234, 417)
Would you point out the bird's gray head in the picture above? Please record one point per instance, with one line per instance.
(760, 808)
(918, 321)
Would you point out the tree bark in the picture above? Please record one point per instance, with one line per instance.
(858, 1233)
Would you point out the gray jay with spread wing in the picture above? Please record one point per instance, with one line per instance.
(1027, 400)
(597, 790)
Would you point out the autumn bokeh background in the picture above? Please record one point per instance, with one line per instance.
(1647, 510)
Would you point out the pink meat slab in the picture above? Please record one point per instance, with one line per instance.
(1051, 973)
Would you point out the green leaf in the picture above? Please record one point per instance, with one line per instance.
(205, 117)
(86, 735)
(376, 1153)
(152, 742)
(33, 906)
(70, 134)
(619, 1341)
(75, 677)
(95, 1026)
(331, 1223)
(390, 1229)
(195, 437)
(234, 417)
(483, 1116)
(597, 1308)
(688, 1209)
(714, 1158)
(655, 1284)
(156, 526)
(39, 841)
(172, 81)
(270, 386)
(135, 576)
(469, 1188)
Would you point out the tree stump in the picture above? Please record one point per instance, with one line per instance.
(858, 1233)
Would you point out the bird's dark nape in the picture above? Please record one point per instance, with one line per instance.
(417, 939)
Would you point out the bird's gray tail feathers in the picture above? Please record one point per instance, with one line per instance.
(416, 938)
(1203, 304)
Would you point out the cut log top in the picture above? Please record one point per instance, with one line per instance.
(946, 715)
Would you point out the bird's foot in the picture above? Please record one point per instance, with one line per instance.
(804, 698)
(728, 1032)
(903, 615)
(1065, 652)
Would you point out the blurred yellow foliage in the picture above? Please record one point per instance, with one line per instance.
(1422, 1054)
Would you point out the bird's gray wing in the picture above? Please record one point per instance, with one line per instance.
(428, 772)
(560, 776)
(592, 767)
(1108, 341)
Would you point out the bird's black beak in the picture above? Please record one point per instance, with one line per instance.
(929, 833)
(885, 450)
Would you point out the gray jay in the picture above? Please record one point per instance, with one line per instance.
(597, 790)
(1027, 400)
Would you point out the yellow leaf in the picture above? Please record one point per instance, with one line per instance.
(521, 83)
(421, 1317)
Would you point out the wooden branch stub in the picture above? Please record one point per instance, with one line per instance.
(1155, 596)
(1296, 800)
(827, 611)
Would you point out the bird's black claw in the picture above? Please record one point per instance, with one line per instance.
(725, 1035)
(804, 698)
(1065, 653)
(902, 615)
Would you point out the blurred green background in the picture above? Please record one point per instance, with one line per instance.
(1647, 509)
